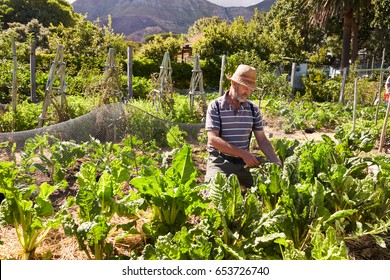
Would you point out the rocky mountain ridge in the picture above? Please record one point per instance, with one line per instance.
(138, 18)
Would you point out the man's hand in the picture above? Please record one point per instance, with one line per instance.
(250, 159)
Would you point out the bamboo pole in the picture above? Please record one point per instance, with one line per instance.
(378, 95)
(354, 104)
(383, 133)
(341, 97)
(222, 74)
(14, 76)
(33, 67)
(293, 70)
(129, 73)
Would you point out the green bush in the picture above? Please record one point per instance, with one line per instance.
(26, 118)
(141, 87)
(315, 89)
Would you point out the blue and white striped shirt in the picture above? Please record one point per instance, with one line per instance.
(236, 125)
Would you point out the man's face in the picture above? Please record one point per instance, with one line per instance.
(241, 93)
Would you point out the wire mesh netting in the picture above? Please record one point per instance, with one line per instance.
(108, 123)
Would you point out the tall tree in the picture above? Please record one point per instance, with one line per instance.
(323, 10)
(4, 9)
(47, 12)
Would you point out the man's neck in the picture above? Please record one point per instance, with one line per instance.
(233, 101)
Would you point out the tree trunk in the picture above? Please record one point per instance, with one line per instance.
(355, 29)
(347, 35)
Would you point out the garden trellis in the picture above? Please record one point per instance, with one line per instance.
(57, 72)
(162, 92)
(196, 85)
(111, 84)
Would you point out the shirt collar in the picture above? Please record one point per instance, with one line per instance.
(226, 105)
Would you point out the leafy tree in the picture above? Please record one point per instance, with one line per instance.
(380, 36)
(291, 35)
(323, 10)
(47, 12)
(156, 48)
(87, 45)
(197, 28)
(382, 12)
(214, 41)
(4, 10)
(31, 29)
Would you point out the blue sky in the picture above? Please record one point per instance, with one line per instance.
(225, 3)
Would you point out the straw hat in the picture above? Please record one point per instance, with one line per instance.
(245, 75)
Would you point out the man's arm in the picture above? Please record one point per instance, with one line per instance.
(266, 147)
(223, 146)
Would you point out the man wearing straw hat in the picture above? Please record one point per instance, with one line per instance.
(387, 89)
(230, 121)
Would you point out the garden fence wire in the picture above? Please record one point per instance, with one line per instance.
(108, 123)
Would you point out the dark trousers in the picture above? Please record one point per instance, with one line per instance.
(228, 165)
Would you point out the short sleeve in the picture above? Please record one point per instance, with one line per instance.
(212, 117)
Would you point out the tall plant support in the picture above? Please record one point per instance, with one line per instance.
(14, 76)
(355, 91)
(129, 73)
(223, 66)
(196, 85)
(57, 73)
(163, 85)
(33, 66)
(378, 96)
(383, 133)
(111, 85)
(344, 80)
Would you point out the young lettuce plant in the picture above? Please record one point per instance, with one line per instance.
(27, 208)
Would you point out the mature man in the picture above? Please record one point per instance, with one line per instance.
(230, 121)
(387, 88)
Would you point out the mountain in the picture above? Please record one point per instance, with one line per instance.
(138, 18)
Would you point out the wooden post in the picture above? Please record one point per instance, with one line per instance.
(14, 76)
(381, 73)
(292, 80)
(354, 104)
(293, 68)
(383, 133)
(341, 97)
(33, 67)
(129, 73)
(379, 95)
(221, 91)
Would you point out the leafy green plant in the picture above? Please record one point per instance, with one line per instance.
(193, 244)
(176, 137)
(26, 117)
(171, 193)
(97, 201)
(314, 86)
(27, 208)
(327, 246)
(240, 227)
(55, 156)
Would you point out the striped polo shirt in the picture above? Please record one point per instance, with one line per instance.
(236, 125)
